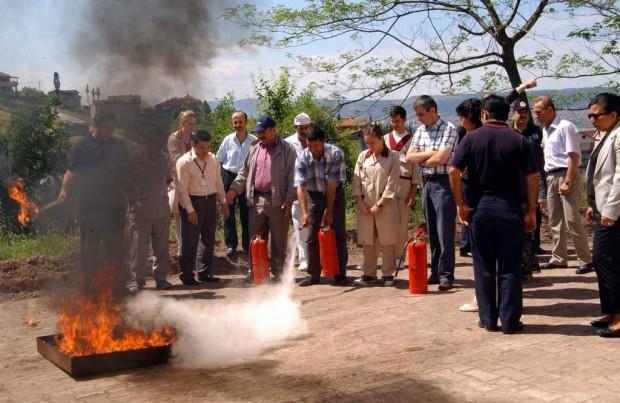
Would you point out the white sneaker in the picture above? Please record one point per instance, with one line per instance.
(388, 281)
(469, 307)
(364, 280)
(303, 266)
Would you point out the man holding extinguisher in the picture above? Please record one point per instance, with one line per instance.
(320, 174)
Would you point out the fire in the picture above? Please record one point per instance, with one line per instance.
(27, 209)
(31, 320)
(95, 325)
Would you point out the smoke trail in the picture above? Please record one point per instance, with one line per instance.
(222, 334)
(155, 48)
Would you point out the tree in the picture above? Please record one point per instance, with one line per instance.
(35, 142)
(442, 41)
(218, 121)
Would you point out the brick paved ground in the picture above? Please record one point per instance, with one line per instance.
(372, 344)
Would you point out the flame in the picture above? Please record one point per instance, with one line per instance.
(95, 325)
(27, 209)
(31, 320)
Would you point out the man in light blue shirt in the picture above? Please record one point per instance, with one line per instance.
(231, 154)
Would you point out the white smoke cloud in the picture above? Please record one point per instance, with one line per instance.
(217, 334)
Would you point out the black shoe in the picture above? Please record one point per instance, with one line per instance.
(163, 285)
(432, 281)
(231, 253)
(602, 324)
(309, 280)
(511, 330)
(190, 282)
(609, 333)
(586, 268)
(444, 286)
(341, 281)
(488, 328)
(541, 251)
(465, 254)
(554, 266)
(526, 276)
(208, 279)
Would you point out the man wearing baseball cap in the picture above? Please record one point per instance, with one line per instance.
(298, 141)
(267, 178)
(522, 124)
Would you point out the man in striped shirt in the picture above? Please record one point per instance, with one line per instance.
(432, 147)
(320, 174)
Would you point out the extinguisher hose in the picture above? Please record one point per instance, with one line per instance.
(402, 255)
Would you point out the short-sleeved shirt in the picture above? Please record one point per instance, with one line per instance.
(232, 153)
(496, 158)
(441, 135)
(313, 174)
(560, 138)
(101, 167)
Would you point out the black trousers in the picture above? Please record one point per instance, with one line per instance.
(317, 203)
(496, 230)
(102, 246)
(538, 224)
(230, 225)
(440, 215)
(191, 234)
(606, 254)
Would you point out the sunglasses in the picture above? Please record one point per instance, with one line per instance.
(594, 116)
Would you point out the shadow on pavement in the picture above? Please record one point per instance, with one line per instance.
(565, 310)
(580, 294)
(567, 330)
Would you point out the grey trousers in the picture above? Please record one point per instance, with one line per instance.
(154, 233)
(563, 215)
(440, 215)
(270, 221)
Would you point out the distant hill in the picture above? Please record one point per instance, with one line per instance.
(569, 98)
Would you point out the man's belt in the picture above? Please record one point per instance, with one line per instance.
(210, 196)
(556, 170)
(259, 193)
(428, 177)
(405, 177)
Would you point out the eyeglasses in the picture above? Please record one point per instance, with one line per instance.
(595, 116)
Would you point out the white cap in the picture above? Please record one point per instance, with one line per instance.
(302, 119)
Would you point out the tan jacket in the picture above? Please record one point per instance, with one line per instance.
(606, 176)
(282, 174)
(409, 174)
(176, 149)
(374, 178)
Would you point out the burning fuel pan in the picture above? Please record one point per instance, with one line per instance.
(79, 366)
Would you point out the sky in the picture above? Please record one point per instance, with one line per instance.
(38, 37)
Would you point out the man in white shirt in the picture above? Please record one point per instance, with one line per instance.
(231, 154)
(562, 153)
(199, 185)
(399, 141)
(298, 141)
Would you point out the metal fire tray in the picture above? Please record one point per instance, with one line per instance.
(79, 366)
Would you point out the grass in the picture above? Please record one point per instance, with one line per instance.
(5, 117)
(28, 246)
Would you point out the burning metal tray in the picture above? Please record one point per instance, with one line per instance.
(79, 366)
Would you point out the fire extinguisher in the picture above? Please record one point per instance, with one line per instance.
(260, 259)
(416, 259)
(328, 252)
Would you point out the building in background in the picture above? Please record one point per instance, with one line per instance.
(124, 107)
(8, 84)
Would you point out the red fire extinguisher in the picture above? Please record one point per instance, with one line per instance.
(260, 260)
(416, 258)
(328, 252)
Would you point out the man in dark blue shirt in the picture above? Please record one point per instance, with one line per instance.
(496, 158)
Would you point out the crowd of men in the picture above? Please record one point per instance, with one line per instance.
(497, 179)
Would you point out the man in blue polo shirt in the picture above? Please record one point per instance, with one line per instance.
(320, 173)
(496, 158)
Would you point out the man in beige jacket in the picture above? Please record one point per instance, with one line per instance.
(399, 141)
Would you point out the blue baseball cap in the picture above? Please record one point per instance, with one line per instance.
(263, 123)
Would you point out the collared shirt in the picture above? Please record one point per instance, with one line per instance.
(198, 178)
(293, 140)
(313, 174)
(262, 176)
(149, 193)
(497, 158)
(441, 135)
(232, 153)
(560, 138)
